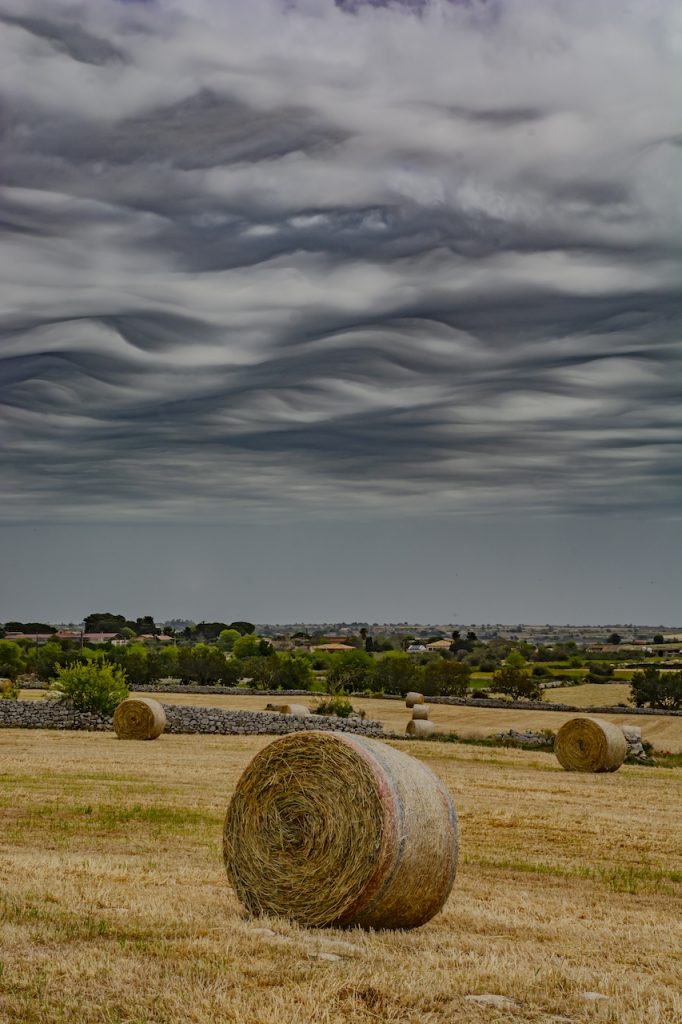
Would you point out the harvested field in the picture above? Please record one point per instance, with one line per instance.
(590, 694)
(664, 731)
(114, 905)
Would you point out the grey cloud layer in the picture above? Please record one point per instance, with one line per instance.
(372, 258)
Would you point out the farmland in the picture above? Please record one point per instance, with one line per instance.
(663, 731)
(115, 906)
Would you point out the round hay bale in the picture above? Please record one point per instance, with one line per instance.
(139, 718)
(300, 710)
(337, 829)
(590, 745)
(420, 727)
(413, 698)
(420, 712)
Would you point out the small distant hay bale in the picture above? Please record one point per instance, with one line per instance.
(413, 698)
(337, 829)
(420, 727)
(420, 712)
(590, 745)
(300, 710)
(139, 718)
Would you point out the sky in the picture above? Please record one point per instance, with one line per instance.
(316, 311)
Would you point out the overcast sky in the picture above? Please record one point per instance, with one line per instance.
(317, 311)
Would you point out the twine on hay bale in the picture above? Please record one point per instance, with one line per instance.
(420, 727)
(590, 745)
(338, 829)
(139, 718)
(420, 712)
(413, 698)
(300, 710)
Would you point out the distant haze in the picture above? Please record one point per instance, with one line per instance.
(563, 571)
(318, 310)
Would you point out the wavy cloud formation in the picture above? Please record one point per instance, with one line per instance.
(269, 256)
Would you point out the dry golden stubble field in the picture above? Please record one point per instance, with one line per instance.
(663, 731)
(115, 907)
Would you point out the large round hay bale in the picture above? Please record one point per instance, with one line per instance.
(300, 710)
(590, 745)
(420, 712)
(338, 829)
(139, 718)
(422, 728)
(413, 698)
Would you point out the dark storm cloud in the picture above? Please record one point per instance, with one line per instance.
(375, 260)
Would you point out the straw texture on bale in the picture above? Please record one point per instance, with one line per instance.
(300, 710)
(420, 727)
(413, 698)
(590, 745)
(420, 712)
(338, 829)
(139, 718)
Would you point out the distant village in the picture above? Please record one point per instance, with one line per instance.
(340, 636)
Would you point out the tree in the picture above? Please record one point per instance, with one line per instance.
(446, 679)
(396, 672)
(29, 627)
(243, 627)
(290, 672)
(657, 689)
(348, 671)
(12, 662)
(145, 624)
(658, 637)
(106, 622)
(249, 645)
(227, 638)
(258, 671)
(205, 665)
(99, 686)
(614, 639)
(135, 662)
(43, 660)
(514, 679)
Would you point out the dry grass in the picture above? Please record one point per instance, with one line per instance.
(663, 731)
(115, 907)
(590, 695)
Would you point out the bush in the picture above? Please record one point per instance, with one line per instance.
(99, 686)
(339, 706)
(8, 690)
(599, 672)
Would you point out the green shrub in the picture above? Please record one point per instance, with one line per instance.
(339, 706)
(98, 686)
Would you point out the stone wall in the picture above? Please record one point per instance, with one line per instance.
(47, 714)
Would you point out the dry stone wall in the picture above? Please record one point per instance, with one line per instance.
(38, 714)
